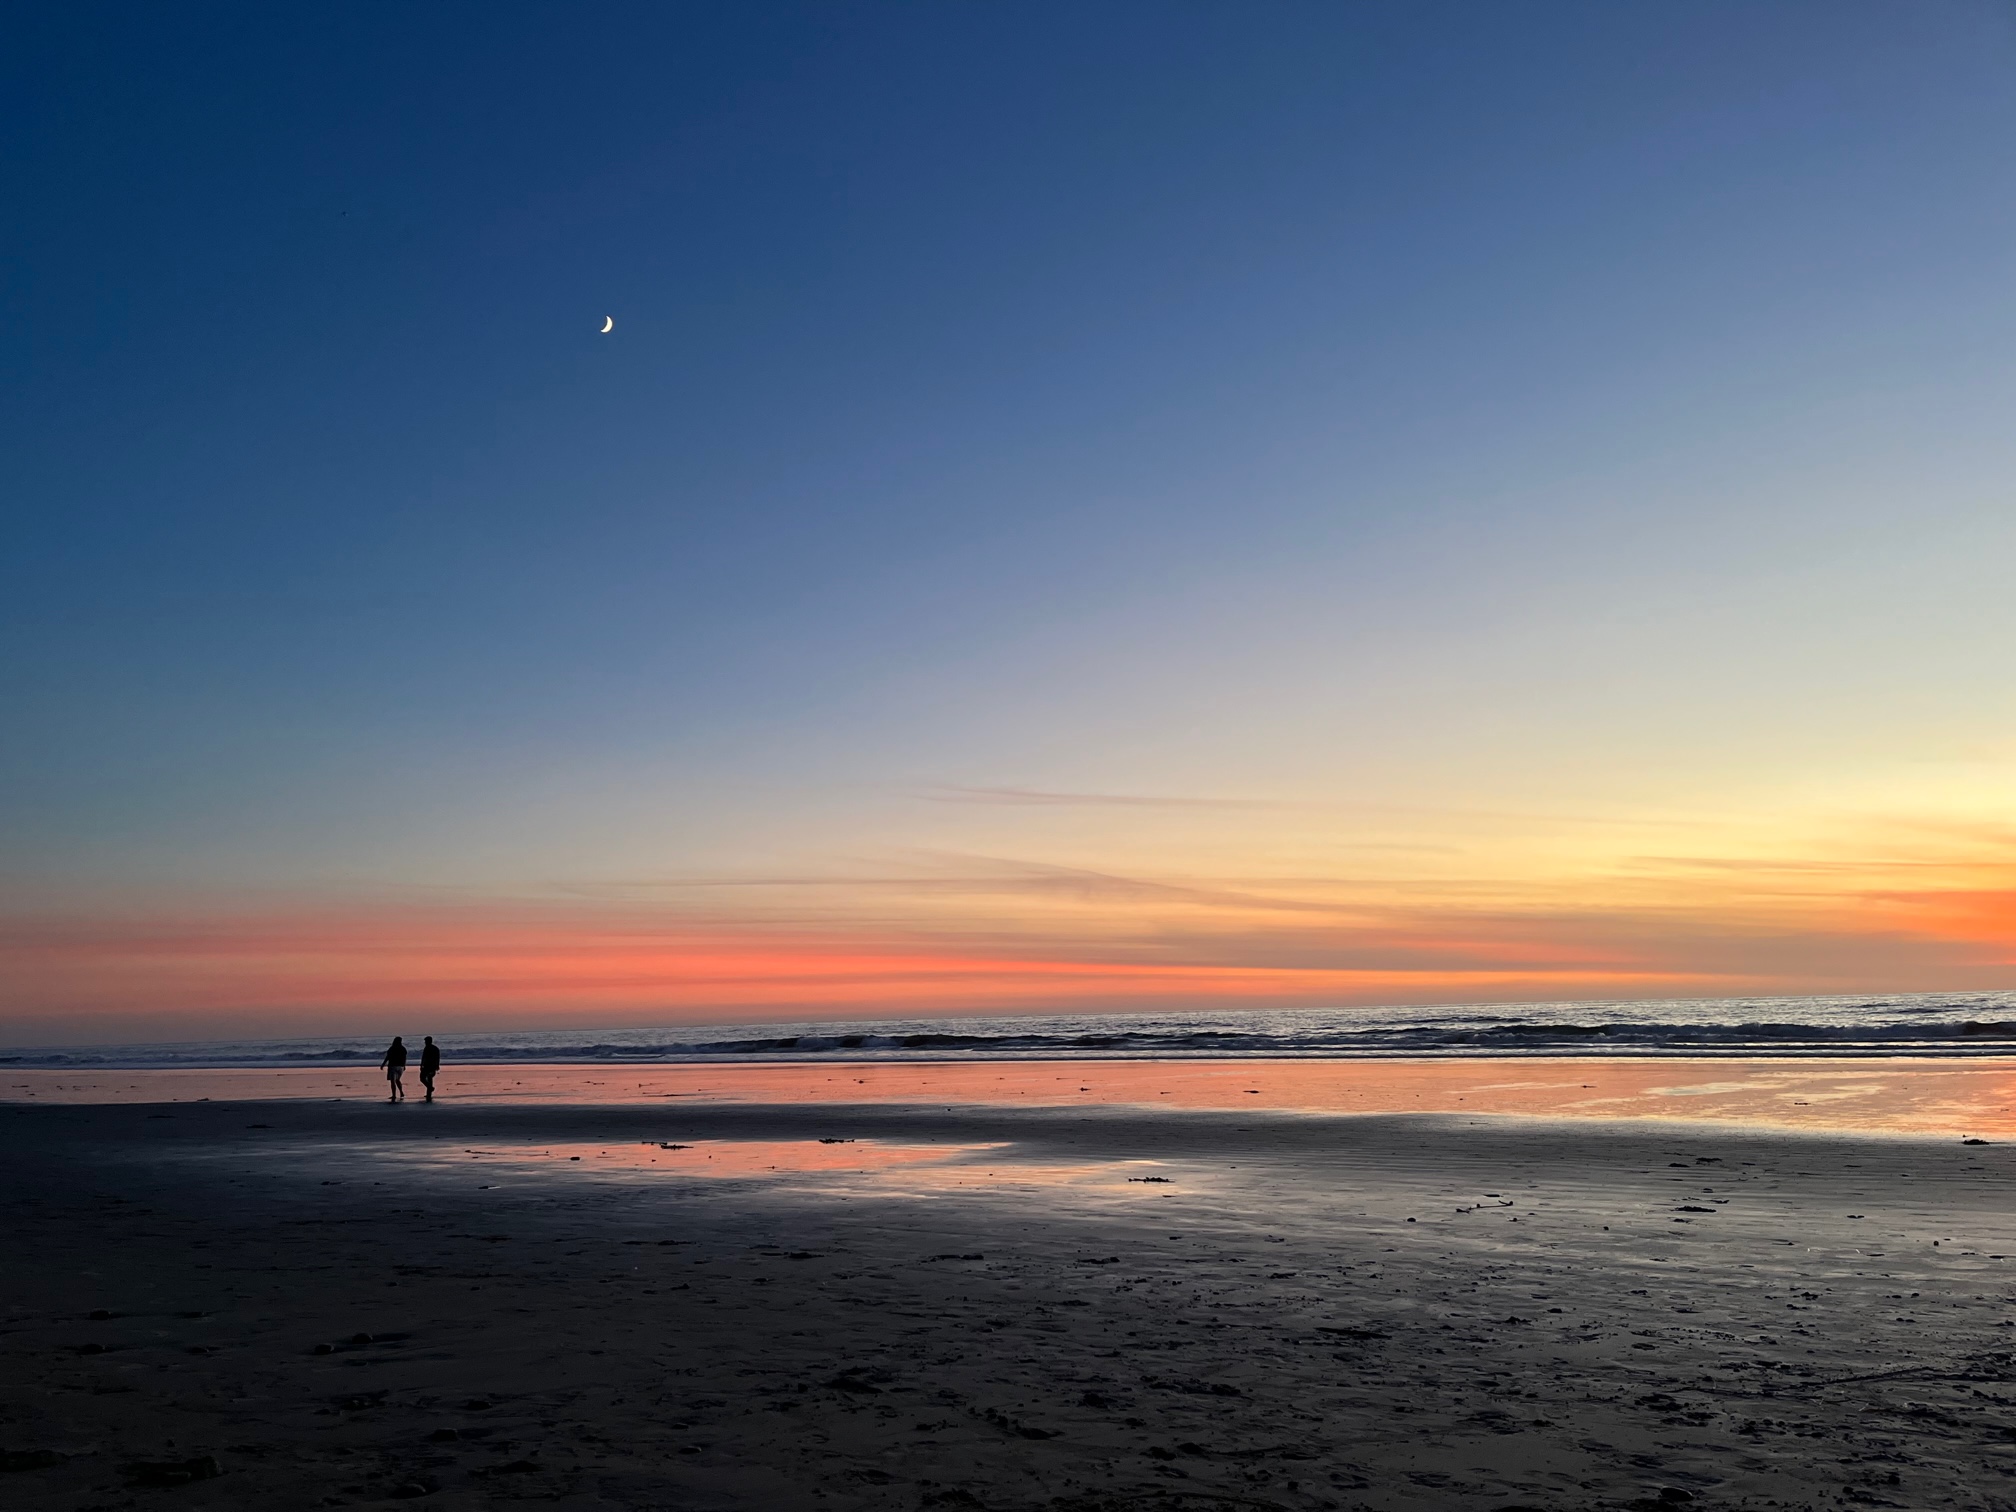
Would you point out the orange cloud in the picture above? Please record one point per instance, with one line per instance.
(318, 971)
(966, 934)
(1984, 919)
(305, 973)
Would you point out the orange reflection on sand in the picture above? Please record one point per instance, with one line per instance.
(1111, 1178)
(1972, 1096)
(894, 1169)
(724, 1157)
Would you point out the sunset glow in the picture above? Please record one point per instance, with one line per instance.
(1015, 939)
(1351, 510)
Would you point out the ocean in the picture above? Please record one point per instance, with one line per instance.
(1942, 1024)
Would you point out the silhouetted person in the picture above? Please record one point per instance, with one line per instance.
(395, 1068)
(430, 1065)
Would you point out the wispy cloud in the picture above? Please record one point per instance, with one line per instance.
(1110, 942)
(1021, 797)
(307, 972)
(945, 931)
(952, 875)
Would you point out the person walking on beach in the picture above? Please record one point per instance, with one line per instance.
(430, 1065)
(394, 1066)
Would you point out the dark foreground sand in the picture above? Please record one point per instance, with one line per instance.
(342, 1304)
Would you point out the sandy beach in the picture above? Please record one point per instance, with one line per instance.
(283, 1301)
(1122, 756)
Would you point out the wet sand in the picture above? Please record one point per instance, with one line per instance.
(1918, 1094)
(1015, 1303)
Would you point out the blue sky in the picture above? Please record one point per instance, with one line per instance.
(1401, 410)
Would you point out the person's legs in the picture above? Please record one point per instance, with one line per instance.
(427, 1081)
(394, 1074)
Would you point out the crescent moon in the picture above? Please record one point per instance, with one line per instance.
(608, 324)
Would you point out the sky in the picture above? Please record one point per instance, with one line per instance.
(1107, 507)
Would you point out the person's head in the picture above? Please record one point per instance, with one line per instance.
(428, 1038)
(397, 1040)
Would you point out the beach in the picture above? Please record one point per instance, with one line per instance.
(786, 1292)
(1123, 757)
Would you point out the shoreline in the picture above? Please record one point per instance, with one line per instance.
(1964, 1096)
(1034, 1057)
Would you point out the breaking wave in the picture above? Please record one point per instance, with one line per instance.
(1970, 1024)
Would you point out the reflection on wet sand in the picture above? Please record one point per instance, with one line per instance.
(890, 1167)
(724, 1157)
(1894, 1095)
